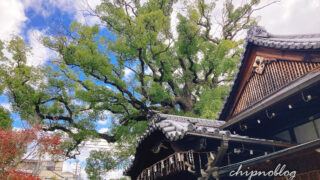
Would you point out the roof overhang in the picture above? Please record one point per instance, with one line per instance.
(177, 128)
(243, 139)
(295, 87)
(280, 153)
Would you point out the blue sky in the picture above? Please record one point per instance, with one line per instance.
(37, 19)
(33, 19)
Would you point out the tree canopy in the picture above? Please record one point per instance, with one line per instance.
(5, 119)
(178, 63)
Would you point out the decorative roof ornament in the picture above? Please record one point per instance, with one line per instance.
(258, 65)
(153, 116)
(257, 31)
(260, 62)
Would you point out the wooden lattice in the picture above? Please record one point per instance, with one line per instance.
(276, 75)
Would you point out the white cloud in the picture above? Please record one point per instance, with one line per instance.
(6, 106)
(12, 22)
(291, 17)
(177, 8)
(82, 14)
(16, 129)
(38, 6)
(46, 8)
(148, 71)
(127, 72)
(105, 116)
(77, 9)
(284, 17)
(39, 53)
(115, 174)
(103, 130)
(102, 122)
(12, 18)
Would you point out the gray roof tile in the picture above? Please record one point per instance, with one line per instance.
(175, 127)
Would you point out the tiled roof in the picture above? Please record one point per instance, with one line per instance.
(176, 127)
(260, 37)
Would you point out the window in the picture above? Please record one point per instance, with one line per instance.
(283, 136)
(50, 166)
(305, 132)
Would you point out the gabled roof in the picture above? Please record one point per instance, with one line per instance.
(293, 88)
(176, 127)
(257, 36)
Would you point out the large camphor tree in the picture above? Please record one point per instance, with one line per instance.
(144, 56)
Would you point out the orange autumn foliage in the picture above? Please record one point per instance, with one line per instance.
(18, 175)
(14, 145)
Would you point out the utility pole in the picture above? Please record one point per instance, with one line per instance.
(76, 173)
(79, 176)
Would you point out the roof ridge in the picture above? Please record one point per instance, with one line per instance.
(156, 116)
(260, 32)
(186, 117)
(295, 36)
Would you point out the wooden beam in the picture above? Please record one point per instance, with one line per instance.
(288, 54)
(283, 152)
(244, 140)
(245, 73)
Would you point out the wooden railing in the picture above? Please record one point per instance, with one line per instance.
(189, 161)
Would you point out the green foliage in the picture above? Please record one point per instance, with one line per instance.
(188, 40)
(158, 94)
(102, 161)
(98, 163)
(5, 119)
(182, 68)
(210, 102)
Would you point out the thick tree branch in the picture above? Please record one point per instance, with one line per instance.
(54, 118)
(193, 70)
(141, 74)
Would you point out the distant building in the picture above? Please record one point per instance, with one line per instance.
(46, 170)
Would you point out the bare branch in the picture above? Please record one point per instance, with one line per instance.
(273, 2)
